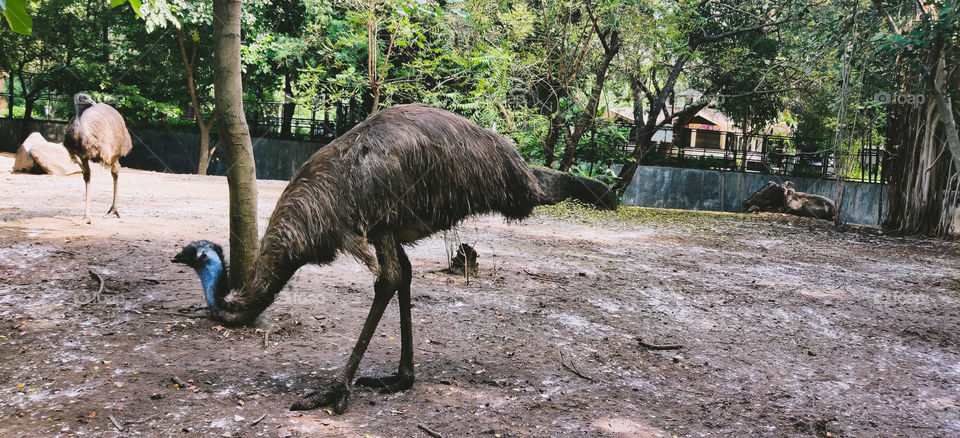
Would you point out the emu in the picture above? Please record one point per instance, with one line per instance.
(405, 173)
(97, 133)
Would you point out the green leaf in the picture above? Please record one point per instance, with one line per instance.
(135, 4)
(16, 15)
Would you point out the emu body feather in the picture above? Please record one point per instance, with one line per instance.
(405, 173)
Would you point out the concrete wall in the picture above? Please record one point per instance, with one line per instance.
(695, 189)
(175, 151)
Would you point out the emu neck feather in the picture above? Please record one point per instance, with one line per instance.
(210, 277)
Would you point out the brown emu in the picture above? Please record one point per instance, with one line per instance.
(97, 133)
(405, 173)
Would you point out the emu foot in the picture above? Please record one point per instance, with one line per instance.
(112, 210)
(335, 394)
(85, 221)
(387, 384)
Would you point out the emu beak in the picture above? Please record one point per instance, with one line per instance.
(183, 258)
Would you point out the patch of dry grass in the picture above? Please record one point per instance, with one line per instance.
(708, 222)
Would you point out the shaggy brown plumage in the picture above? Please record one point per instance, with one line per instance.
(97, 133)
(405, 173)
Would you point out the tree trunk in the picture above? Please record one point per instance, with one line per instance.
(553, 135)
(28, 102)
(376, 98)
(235, 140)
(289, 105)
(642, 145)
(3, 86)
(206, 153)
(590, 112)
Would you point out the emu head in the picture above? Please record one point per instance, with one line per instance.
(82, 101)
(770, 195)
(206, 259)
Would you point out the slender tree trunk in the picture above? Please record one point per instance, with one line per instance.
(28, 102)
(376, 98)
(28, 105)
(27, 115)
(235, 139)
(3, 86)
(553, 135)
(10, 103)
(205, 152)
(289, 105)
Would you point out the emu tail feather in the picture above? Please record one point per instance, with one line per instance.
(559, 186)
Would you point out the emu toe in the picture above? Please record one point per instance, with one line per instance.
(112, 210)
(336, 394)
(387, 384)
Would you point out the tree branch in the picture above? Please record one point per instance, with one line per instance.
(886, 16)
(695, 42)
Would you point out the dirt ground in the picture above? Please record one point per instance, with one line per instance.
(788, 327)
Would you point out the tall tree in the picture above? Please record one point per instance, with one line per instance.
(235, 139)
(608, 35)
(917, 55)
(189, 64)
(566, 41)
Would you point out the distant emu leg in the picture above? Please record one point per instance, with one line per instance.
(403, 380)
(337, 393)
(85, 167)
(115, 171)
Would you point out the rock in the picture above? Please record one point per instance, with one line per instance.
(37, 155)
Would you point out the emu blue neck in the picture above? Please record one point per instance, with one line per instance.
(212, 279)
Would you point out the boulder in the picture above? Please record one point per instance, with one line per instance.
(37, 155)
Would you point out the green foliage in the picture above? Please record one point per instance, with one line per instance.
(498, 62)
(16, 15)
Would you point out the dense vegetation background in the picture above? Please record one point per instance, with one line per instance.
(855, 72)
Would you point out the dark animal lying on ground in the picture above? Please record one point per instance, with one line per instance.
(770, 197)
(783, 198)
(405, 173)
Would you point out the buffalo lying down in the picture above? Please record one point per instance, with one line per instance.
(783, 198)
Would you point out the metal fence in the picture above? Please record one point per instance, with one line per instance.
(265, 118)
(764, 153)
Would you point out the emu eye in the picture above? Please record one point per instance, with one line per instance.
(203, 257)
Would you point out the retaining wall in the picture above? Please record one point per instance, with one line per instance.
(174, 151)
(714, 190)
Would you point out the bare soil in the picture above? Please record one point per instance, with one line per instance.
(788, 327)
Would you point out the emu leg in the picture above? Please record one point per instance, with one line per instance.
(85, 167)
(403, 380)
(337, 393)
(115, 171)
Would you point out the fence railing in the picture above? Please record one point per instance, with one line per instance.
(767, 153)
(265, 118)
